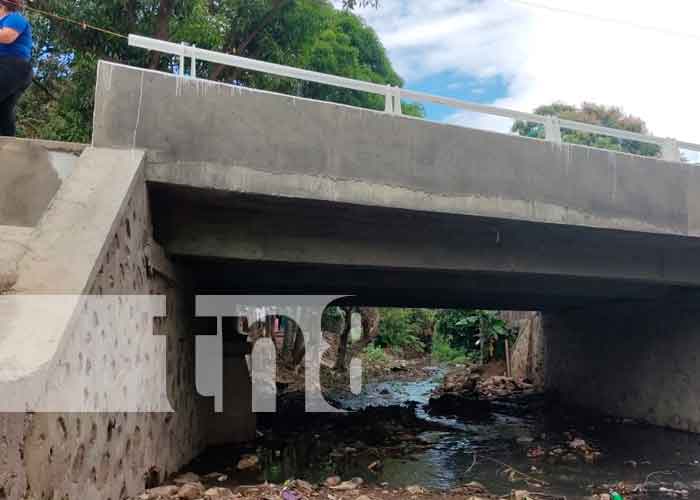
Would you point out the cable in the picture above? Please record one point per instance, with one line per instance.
(595, 17)
(82, 24)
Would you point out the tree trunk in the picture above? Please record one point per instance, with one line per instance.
(299, 346)
(344, 338)
(370, 329)
(162, 29)
(288, 343)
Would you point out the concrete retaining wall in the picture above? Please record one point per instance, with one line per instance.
(99, 455)
(638, 361)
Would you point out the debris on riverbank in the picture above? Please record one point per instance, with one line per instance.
(333, 489)
(468, 391)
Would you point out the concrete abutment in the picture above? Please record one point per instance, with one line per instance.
(636, 360)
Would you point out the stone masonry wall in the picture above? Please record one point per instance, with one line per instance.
(638, 360)
(109, 456)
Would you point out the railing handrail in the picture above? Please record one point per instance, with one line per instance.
(670, 148)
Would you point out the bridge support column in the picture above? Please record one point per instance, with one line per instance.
(637, 360)
(237, 422)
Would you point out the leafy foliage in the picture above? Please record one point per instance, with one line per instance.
(309, 34)
(403, 328)
(332, 319)
(469, 331)
(444, 352)
(594, 114)
(375, 354)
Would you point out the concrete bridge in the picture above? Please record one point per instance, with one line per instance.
(193, 187)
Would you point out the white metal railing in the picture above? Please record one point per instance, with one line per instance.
(670, 148)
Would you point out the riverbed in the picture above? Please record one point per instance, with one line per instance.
(516, 442)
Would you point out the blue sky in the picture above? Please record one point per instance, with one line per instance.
(465, 87)
(520, 54)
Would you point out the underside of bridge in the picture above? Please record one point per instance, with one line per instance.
(237, 243)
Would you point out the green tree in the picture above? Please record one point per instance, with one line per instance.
(594, 114)
(309, 34)
(404, 328)
(474, 330)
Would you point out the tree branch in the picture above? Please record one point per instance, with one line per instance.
(264, 23)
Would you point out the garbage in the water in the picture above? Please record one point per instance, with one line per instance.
(614, 495)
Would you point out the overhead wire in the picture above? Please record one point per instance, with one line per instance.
(612, 20)
(84, 25)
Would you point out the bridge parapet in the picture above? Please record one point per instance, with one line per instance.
(223, 137)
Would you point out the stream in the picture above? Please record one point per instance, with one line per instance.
(388, 424)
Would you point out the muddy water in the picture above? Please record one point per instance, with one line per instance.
(444, 452)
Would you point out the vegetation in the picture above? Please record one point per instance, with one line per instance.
(375, 354)
(444, 352)
(405, 329)
(594, 114)
(309, 34)
(471, 332)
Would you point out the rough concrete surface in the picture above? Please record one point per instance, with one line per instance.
(30, 175)
(100, 455)
(632, 360)
(13, 244)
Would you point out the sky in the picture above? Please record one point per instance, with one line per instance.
(640, 55)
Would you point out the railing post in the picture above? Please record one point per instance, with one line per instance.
(397, 101)
(193, 71)
(552, 129)
(389, 100)
(182, 60)
(670, 150)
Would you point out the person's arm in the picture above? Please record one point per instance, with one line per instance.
(15, 25)
(8, 36)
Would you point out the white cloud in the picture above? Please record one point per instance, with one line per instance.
(543, 55)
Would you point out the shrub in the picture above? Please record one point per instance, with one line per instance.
(375, 354)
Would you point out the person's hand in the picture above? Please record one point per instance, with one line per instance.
(8, 36)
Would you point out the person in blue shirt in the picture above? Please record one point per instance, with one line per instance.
(15, 66)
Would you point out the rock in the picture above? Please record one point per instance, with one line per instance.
(375, 466)
(363, 497)
(188, 477)
(162, 491)
(475, 488)
(578, 444)
(248, 462)
(218, 493)
(519, 495)
(215, 476)
(416, 490)
(335, 481)
(353, 484)
(190, 491)
(300, 484)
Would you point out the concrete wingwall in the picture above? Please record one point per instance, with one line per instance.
(101, 455)
(631, 360)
